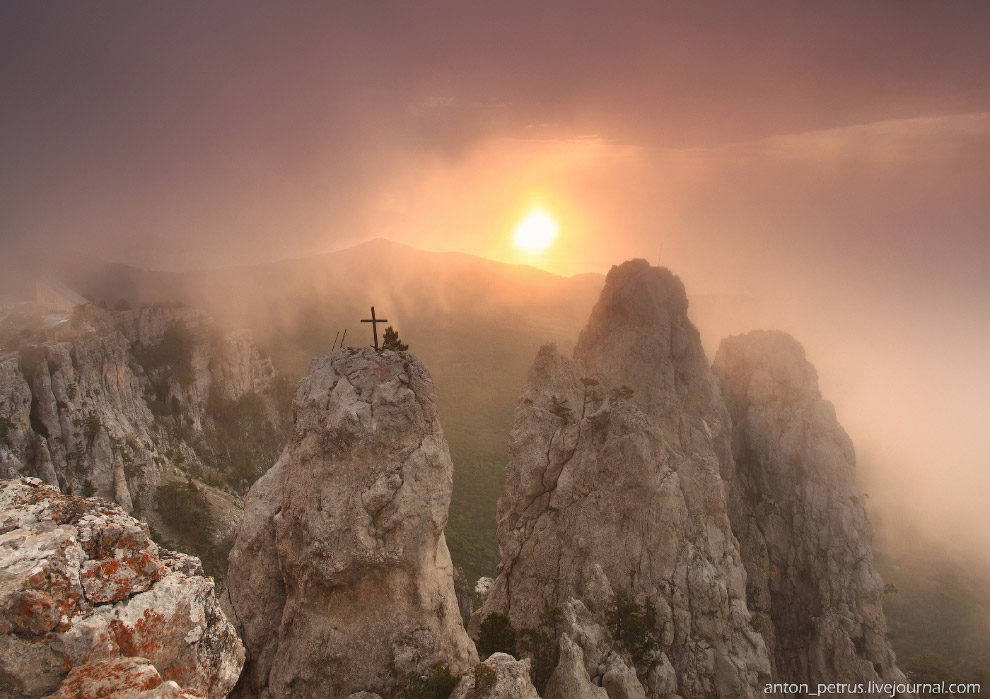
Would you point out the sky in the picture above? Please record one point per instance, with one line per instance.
(829, 159)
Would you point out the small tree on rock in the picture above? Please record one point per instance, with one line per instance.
(633, 626)
(496, 635)
(392, 342)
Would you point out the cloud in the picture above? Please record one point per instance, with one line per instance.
(221, 127)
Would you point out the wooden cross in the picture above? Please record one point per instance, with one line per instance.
(374, 324)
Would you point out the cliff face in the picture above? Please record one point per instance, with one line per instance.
(801, 519)
(90, 606)
(139, 408)
(613, 489)
(340, 579)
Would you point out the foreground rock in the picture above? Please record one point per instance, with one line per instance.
(90, 605)
(613, 484)
(118, 678)
(340, 578)
(801, 519)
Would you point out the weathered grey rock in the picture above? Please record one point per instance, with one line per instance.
(589, 631)
(613, 481)
(118, 678)
(801, 518)
(101, 406)
(482, 588)
(82, 583)
(570, 678)
(621, 682)
(257, 596)
(340, 577)
(511, 680)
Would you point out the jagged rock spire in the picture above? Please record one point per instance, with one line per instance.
(613, 482)
(340, 578)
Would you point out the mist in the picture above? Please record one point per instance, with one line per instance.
(828, 162)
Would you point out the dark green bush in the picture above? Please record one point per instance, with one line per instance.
(186, 512)
(623, 392)
(484, 677)
(541, 646)
(930, 667)
(632, 625)
(438, 684)
(496, 635)
(91, 426)
(391, 341)
(173, 353)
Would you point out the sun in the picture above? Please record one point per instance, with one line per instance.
(536, 232)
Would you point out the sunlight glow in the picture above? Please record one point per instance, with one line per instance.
(536, 232)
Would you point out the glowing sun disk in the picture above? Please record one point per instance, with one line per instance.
(536, 232)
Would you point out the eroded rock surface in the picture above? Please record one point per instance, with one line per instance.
(137, 407)
(118, 678)
(85, 593)
(801, 519)
(613, 482)
(340, 577)
(500, 676)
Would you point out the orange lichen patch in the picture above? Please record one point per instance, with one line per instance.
(108, 678)
(69, 509)
(115, 579)
(64, 555)
(145, 636)
(162, 639)
(50, 578)
(32, 612)
(775, 571)
(35, 492)
(105, 540)
(179, 671)
(123, 561)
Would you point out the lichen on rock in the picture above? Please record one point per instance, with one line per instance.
(81, 582)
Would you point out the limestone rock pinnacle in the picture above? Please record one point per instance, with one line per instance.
(340, 578)
(801, 519)
(613, 483)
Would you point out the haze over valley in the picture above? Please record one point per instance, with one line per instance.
(199, 205)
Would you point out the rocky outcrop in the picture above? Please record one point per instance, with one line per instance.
(613, 483)
(91, 606)
(500, 676)
(800, 518)
(340, 578)
(570, 677)
(138, 407)
(118, 678)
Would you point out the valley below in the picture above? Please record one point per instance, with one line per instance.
(170, 395)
